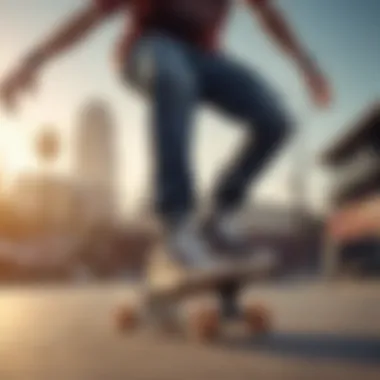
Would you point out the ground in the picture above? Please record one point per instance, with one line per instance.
(322, 331)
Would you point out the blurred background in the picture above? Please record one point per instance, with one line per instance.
(75, 188)
(75, 164)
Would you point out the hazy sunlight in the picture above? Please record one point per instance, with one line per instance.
(15, 149)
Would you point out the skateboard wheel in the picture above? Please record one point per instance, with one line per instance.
(257, 319)
(204, 325)
(126, 318)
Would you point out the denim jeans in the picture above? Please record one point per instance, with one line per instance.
(177, 78)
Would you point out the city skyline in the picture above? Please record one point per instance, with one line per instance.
(341, 34)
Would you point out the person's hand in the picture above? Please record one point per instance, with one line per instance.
(317, 85)
(21, 79)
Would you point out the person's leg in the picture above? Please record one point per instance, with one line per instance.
(161, 67)
(243, 94)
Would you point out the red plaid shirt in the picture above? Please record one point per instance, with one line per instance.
(138, 13)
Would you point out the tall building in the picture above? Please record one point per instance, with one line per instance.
(95, 158)
(354, 163)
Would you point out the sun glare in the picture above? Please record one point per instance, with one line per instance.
(14, 148)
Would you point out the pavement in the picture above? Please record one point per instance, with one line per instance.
(321, 331)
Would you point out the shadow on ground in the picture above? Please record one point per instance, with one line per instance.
(362, 350)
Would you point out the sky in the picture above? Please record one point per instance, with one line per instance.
(342, 34)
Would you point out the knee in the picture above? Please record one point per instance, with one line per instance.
(282, 125)
(274, 126)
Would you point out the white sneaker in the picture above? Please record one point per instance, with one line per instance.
(228, 232)
(232, 226)
(183, 253)
(187, 246)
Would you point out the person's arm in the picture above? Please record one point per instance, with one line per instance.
(72, 31)
(275, 24)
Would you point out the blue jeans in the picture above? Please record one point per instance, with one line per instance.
(177, 78)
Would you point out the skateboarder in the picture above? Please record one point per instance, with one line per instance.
(170, 52)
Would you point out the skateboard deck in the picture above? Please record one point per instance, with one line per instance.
(201, 281)
(169, 288)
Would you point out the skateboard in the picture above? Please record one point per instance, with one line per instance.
(174, 301)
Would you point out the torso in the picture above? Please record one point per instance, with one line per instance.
(197, 22)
